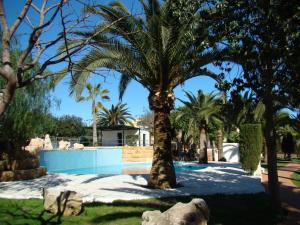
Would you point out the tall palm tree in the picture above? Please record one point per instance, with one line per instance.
(201, 109)
(93, 93)
(116, 115)
(158, 51)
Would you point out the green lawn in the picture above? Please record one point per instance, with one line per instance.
(226, 210)
(296, 178)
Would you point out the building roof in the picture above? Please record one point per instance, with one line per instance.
(118, 127)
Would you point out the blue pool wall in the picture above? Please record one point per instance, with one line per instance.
(59, 160)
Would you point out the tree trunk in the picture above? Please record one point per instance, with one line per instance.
(273, 184)
(265, 150)
(220, 144)
(203, 144)
(6, 96)
(162, 174)
(95, 141)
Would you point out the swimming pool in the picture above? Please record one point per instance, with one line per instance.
(99, 161)
(127, 168)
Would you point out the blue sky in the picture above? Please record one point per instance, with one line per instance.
(135, 96)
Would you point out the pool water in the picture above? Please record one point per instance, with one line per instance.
(128, 168)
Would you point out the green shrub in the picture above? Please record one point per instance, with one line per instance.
(251, 140)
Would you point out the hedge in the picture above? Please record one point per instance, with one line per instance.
(251, 142)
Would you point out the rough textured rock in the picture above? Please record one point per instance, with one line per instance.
(78, 146)
(195, 212)
(22, 174)
(47, 143)
(64, 145)
(3, 165)
(24, 164)
(35, 145)
(67, 203)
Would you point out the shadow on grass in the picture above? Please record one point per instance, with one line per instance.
(116, 216)
(225, 209)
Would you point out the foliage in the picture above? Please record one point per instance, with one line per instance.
(116, 115)
(69, 126)
(233, 137)
(250, 146)
(93, 93)
(287, 144)
(131, 140)
(24, 117)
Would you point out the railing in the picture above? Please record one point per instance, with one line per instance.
(88, 141)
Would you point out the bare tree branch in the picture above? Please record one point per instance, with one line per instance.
(20, 18)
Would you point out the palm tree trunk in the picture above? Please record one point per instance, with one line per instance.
(203, 144)
(95, 141)
(273, 184)
(162, 174)
(220, 144)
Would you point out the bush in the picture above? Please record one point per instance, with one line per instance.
(251, 141)
(131, 140)
(287, 145)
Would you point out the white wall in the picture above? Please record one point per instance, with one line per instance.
(110, 138)
(231, 152)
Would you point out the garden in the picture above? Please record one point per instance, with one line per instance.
(175, 150)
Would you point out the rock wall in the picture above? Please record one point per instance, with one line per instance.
(137, 153)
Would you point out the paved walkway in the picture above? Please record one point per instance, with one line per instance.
(215, 178)
(290, 194)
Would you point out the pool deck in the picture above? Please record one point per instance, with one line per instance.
(216, 178)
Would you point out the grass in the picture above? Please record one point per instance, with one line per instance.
(225, 210)
(281, 162)
(296, 178)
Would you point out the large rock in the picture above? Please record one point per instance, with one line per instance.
(78, 146)
(67, 203)
(24, 164)
(22, 174)
(47, 143)
(64, 145)
(195, 212)
(35, 145)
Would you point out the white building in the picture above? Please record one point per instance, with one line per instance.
(123, 135)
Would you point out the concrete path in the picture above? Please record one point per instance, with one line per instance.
(216, 178)
(289, 193)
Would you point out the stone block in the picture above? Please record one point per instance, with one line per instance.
(195, 212)
(67, 203)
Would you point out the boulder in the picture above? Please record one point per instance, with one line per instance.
(195, 212)
(35, 145)
(22, 174)
(24, 164)
(64, 145)
(47, 143)
(67, 203)
(78, 146)
(3, 165)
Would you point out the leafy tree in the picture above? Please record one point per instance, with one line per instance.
(250, 146)
(24, 117)
(116, 115)
(93, 93)
(159, 52)
(70, 126)
(201, 110)
(263, 35)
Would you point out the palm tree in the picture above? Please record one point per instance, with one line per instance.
(201, 110)
(159, 52)
(116, 115)
(93, 93)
